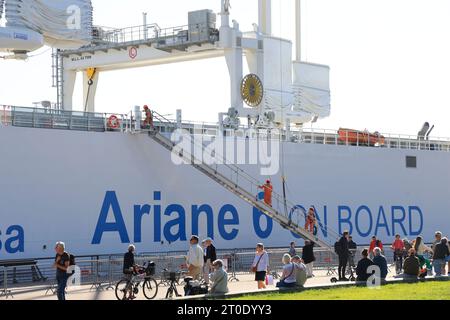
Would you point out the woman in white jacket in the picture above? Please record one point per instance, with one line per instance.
(260, 265)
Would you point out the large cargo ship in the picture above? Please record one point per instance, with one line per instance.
(102, 181)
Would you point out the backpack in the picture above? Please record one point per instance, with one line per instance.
(71, 259)
(337, 247)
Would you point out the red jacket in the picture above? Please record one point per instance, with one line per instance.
(373, 245)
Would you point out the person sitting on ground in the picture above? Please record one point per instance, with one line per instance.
(441, 252)
(380, 261)
(362, 267)
(288, 279)
(219, 278)
(411, 266)
(408, 246)
(421, 248)
(375, 243)
(300, 271)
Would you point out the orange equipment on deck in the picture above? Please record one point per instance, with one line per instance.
(355, 137)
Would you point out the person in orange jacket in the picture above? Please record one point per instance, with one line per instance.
(148, 122)
(310, 220)
(268, 189)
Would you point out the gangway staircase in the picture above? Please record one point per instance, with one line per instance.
(286, 220)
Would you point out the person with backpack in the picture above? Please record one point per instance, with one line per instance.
(300, 271)
(62, 264)
(341, 249)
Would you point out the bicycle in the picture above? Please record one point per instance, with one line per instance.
(131, 286)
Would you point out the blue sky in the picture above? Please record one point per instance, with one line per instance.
(389, 62)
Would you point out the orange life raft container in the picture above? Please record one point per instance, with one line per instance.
(355, 137)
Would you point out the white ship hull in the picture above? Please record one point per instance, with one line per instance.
(78, 186)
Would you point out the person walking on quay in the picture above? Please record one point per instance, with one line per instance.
(260, 265)
(343, 252)
(210, 257)
(62, 263)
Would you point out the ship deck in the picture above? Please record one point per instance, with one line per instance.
(98, 122)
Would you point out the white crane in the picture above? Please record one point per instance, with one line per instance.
(31, 24)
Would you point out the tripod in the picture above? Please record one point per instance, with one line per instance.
(172, 289)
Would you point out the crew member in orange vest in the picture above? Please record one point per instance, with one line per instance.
(310, 220)
(148, 118)
(267, 192)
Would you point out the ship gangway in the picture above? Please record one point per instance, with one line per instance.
(288, 215)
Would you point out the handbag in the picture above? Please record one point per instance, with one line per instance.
(269, 280)
(255, 268)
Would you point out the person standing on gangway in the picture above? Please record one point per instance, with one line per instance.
(148, 122)
(268, 189)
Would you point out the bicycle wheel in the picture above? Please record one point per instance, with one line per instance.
(122, 289)
(150, 288)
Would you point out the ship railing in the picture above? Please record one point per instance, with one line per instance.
(385, 140)
(152, 34)
(316, 136)
(100, 272)
(64, 120)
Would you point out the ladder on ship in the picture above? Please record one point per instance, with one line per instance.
(212, 171)
(57, 77)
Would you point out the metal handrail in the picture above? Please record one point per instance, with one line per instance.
(102, 271)
(305, 135)
(150, 32)
(255, 184)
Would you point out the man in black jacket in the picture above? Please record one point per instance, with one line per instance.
(210, 257)
(363, 266)
(308, 257)
(441, 253)
(343, 253)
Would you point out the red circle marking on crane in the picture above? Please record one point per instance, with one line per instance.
(133, 52)
(113, 122)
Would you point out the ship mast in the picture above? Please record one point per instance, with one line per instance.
(298, 29)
